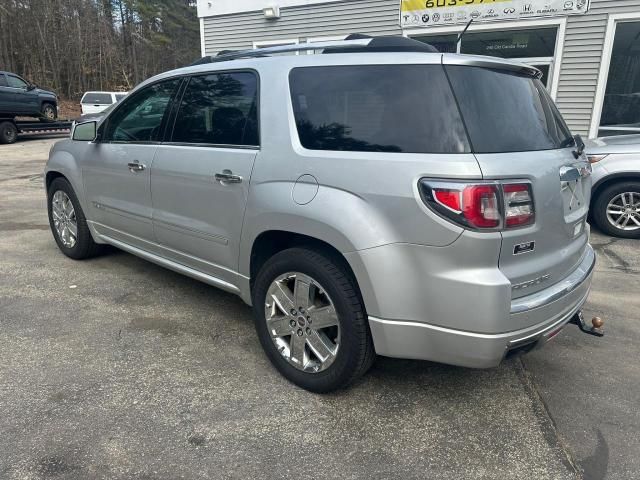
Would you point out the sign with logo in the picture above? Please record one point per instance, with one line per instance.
(426, 13)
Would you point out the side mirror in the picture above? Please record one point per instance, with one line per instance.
(30, 87)
(85, 132)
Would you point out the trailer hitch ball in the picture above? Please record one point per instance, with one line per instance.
(595, 329)
(597, 322)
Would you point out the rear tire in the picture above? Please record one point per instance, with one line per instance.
(622, 197)
(8, 132)
(76, 241)
(351, 346)
(49, 113)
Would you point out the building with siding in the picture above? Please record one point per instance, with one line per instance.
(590, 61)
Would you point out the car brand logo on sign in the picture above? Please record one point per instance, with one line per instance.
(431, 12)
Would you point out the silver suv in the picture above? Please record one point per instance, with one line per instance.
(376, 198)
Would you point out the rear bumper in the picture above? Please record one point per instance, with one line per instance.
(544, 313)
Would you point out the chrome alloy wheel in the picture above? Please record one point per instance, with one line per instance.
(302, 322)
(623, 211)
(64, 219)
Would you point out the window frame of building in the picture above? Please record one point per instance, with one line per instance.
(280, 42)
(553, 62)
(329, 38)
(610, 33)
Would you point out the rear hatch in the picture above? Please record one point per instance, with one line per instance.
(518, 135)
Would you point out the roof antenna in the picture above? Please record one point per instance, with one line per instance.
(463, 31)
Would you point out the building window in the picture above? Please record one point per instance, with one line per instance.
(534, 42)
(444, 43)
(621, 106)
(535, 46)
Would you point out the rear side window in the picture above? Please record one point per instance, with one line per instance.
(97, 99)
(219, 109)
(507, 112)
(376, 108)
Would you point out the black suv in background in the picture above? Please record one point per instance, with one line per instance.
(21, 98)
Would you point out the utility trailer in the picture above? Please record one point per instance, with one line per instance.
(10, 128)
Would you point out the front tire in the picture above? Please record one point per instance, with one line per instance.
(311, 321)
(68, 223)
(616, 210)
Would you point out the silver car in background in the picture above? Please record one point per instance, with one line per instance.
(615, 203)
(377, 198)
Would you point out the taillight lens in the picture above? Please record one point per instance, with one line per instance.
(481, 206)
(518, 202)
(488, 206)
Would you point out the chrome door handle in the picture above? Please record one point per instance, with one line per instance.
(227, 177)
(136, 166)
(569, 174)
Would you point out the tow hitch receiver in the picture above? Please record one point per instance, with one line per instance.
(596, 322)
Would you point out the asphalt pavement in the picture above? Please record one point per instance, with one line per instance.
(116, 368)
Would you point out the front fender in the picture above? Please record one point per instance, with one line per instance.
(63, 161)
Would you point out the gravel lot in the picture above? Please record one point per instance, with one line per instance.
(115, 368)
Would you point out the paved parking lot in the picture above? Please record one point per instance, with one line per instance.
(116, 368)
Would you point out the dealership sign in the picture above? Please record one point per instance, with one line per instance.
(426, 13)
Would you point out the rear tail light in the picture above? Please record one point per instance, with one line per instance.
(481, 206)
(518, 202)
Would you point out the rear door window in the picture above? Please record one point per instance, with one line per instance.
(97, 99)
(507, 111)
(219, 109)
(383, 108)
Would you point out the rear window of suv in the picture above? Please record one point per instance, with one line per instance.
(381, 108)
(507, 112)
(97, 98)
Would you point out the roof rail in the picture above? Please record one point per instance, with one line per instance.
(354, 43)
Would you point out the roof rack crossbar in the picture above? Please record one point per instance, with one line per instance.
(300, 47)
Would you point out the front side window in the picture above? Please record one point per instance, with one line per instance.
(376, 108)
(507, 111)
(97, 98)
(621, 107)
(139, 118)
(219, 109)
(16, 82)
(3, 80)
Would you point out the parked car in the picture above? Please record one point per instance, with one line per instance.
(615, 204)
(378, 198)
(19, 98)
(96, 102)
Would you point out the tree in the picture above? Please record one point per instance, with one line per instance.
(71, 46)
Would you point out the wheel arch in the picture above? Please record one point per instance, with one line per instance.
(271, 242)
(612, 179)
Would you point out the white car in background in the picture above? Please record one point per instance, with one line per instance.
(615, 199)
(96, 102)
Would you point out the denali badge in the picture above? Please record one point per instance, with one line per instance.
(524, 248)
(531, 283)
